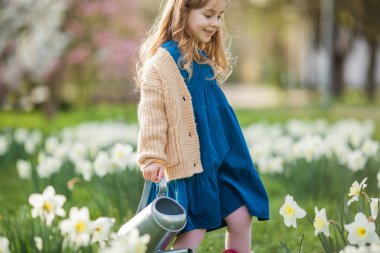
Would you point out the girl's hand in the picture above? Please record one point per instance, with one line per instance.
(153, 172)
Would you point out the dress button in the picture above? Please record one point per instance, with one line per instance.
(189, 134)
(184, 99)
(194, 164)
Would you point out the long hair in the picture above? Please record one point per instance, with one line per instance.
(171, 25)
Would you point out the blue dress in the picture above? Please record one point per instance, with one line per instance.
(229, 178)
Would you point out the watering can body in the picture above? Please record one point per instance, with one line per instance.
(161, 220)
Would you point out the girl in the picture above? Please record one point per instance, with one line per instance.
(189, 132)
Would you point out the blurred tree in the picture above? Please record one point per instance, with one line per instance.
(67, 47)
(352, 18)
(367, 23)
(268, 20)
(31, 46)
(105, 40)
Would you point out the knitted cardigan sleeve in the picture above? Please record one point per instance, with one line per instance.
(152, 119)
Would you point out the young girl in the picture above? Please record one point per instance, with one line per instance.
(189, 132)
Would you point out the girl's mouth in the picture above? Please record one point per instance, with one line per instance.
(209, 33)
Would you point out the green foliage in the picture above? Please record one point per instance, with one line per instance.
(22, 229)
(325, 178)
(116, 194)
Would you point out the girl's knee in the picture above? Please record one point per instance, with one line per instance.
(240, 219)
(190, 240)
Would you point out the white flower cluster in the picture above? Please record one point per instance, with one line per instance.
(93, 148)
(361, 231)
(347, 141)
(34, 29)
(29, 140)
(79, 230)
(129, 243)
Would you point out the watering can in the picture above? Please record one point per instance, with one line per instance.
(161, 220)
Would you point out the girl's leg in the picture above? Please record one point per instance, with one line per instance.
(238, 234)
(190, 240)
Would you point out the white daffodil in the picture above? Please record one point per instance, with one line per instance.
(62, 150)
(373, 248)
(129, 243)
(48, 165)
(78, 151)
(321, 223)
(361, 231)
(38, 242)
(47, 205)
(374, 206)
(370, 148)
(4, 245)
(84, 167)
(353, 249)
(24, 169)
(356, 160)
(120, 154)
(3, 145)
(101, 230)
(77, 228)
(291, 212)
(21, 135)
(102, 164)
(272, 165)
(355, 191)
(51, 144)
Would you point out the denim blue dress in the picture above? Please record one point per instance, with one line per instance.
(229, 178)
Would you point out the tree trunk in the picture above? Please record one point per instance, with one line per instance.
(370, 86)
(53, 81)
(3, 93)
(337, 78)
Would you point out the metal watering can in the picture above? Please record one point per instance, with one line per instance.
(161, 220)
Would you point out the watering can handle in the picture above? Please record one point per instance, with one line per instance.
(146, 192)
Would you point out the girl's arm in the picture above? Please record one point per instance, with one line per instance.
(152, 119)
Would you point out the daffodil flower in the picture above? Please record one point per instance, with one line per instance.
(47, 205)
(374, 206)
(77, 228)
(291, 212)
(129, 243)
(361, 231)
(4, 245)
(321, 223)
(101, 230)
(355, 191)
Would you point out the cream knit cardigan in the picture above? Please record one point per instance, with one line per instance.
(166, 119)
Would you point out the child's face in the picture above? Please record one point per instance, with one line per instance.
(204, 22)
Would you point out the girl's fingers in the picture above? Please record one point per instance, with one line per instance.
(154, 173)
(160, 173)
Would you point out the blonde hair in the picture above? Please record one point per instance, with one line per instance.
(171, 25)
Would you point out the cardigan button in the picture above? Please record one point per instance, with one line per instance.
(189, 134)
(184, 99)
(194, 165)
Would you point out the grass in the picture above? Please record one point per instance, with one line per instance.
(266, 235)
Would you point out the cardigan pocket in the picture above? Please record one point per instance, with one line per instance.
(171, 147)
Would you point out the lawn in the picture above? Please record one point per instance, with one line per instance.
(266, 235)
